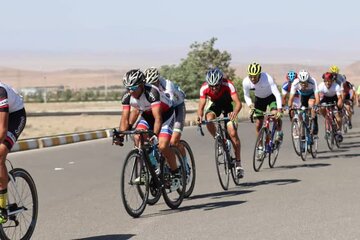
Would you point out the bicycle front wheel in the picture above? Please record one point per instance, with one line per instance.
(134, 184)
(295, 133)
(260, 150)
(174, 184)
(329, 135)
(314, 146)
(22, 206)
(273, 155)
(303, 141)
(221, 161)
(190, 168)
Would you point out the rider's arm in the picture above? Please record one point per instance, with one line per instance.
(157, 114)
(238, 105)
(4, 114)
(275, 91)
(246, 89)
(134, 114)
(200, 111)
(124, 122)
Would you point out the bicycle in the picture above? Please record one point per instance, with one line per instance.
(308, 142)
(22, 207)
(143, 179)
(265, 143)
(331, 135)
(295, 131)
(223, 160)
(346, 117)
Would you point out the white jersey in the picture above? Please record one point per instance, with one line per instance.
(10, 99)
(263, 88)
(310, 89)
(172, 91)
(334, 90)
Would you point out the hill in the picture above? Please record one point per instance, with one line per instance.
(83, 78)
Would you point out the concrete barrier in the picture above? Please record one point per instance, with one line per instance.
(25, 145)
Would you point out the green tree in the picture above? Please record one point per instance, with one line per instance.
(190, 73)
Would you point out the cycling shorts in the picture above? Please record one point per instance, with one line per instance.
(263, 103)
(180, 112)
(17, 121)
(305, 99)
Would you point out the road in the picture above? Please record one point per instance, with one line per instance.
(316, 199)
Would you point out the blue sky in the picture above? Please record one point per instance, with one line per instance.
(161, 31)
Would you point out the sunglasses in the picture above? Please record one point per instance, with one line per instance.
(215, 86)
(133, 88)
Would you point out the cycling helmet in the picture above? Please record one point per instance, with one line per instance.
(334, 69)
(133, 77)
(214, 77)
(254, 69)
(291, 75)
(303, 75)
(152, 75)
(328, 76)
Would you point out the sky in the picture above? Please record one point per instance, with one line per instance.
(111, 33)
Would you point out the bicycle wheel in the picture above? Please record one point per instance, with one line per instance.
(303, 141)
(329, 135)
(134, 184)
(314, 146)
(274, 153)
(22, 206)
(174, 184)
(190, 169)
(234, 175)
(345, 123)
(221, 161)
(154, 192)
(295, 130)
(260, 149)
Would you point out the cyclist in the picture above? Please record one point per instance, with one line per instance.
(12, 123)
(221, 93)
(358, 96)
(348, 95)
(285, 91)
(339, 78)
(330, 92)
(266, 94)
(157, 113)
(306, 87)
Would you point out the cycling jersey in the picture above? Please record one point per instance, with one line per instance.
(358, 90)
(264, 88)
(151, 97)
(340, 79)
(10, 100)
(334, 90)
(172, 91)
(347, 87)
(309, 90)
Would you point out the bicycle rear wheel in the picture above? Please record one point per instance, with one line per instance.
(134, 184)
(190, 169)
(295, 132)
(345, 123)
(174, 185)
(222, 163)
(260, 150)
(22, 206)
(303, 141)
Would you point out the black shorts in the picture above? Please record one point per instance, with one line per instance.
(305, 99)
(333, 99)
(17, 121)
(262, 103)
(220, 107)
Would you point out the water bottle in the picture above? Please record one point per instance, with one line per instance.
(153, 160)
(228, 144)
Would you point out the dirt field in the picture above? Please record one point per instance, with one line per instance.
(54, 125)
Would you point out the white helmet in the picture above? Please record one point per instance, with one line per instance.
(151, 75)
(303, 75)
(214, 77)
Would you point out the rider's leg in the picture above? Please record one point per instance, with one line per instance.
(315, 126)
(210, 126)
(232, 130)
(3, 181)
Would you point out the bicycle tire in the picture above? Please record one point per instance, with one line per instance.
(173, 198)
(222, 166)
(154, 192)
(7, 230)
(190, 184)
(295, 129)
(345, 123)
(258, 160)
(314, 146)
(273, 155)
(303, 142)
(329, 135)
(134, 161)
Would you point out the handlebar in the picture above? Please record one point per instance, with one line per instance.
(204, 122)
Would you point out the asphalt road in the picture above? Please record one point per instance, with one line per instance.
(79, 194)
